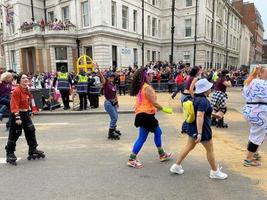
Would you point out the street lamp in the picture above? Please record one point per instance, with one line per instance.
(143, 33)
(172, 32)
(32, 10)
(195, 43)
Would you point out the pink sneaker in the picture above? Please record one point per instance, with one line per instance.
(165, 157)
(135, 164)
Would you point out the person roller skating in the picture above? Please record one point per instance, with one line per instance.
(111, 103)
(145, 109)
(218, 100)
(20, 120)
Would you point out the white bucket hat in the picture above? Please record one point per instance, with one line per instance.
(202, 85)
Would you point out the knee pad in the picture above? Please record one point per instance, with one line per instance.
(252, 147)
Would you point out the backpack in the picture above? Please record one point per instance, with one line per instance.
(188, 111)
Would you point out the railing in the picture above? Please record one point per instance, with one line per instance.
(34, 29)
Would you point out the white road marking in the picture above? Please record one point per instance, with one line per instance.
(47, 124)
(3, 160)
(6, 137)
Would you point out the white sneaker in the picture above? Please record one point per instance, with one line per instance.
(178, 169)
(218, 174)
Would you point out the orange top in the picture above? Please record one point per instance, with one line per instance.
(143, 104)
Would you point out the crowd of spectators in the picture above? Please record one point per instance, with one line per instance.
(52, 25)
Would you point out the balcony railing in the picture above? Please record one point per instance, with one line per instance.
(35, 29)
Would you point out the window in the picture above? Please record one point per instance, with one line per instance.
(135, 56)
(154, 2)
(65, 13)
(187, 55)
(148, 55)
(13, 60)
(89, 51)
(51, 16)
(154, 54)
(148, 25)
(159, 56)
(85, 13)
(124, 17)
(61, 53)
(134, 20)
(188, 29)
(188, 3)
(154, 26)
(113, 13)
(159, 28)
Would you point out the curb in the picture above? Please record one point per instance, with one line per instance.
(46, 113)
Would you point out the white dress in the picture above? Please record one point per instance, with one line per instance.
(256, 114)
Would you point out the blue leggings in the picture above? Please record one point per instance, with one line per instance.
(143, 133)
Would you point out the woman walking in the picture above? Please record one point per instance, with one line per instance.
(188, 93)
(200, 131)
(20, 119)
(145, 109)
(255, 111)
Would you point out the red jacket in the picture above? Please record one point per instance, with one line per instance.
(20, 99)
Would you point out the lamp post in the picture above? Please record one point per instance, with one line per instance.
(143, 33)
(212, 34)
(45, 15)
(195, 43)
(32, 10)
(172, 32)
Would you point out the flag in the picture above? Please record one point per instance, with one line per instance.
(9, 15)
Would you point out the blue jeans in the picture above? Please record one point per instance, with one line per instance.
(178, 88)
(5, 100)
(113, 114)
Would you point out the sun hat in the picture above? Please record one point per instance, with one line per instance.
(202, 85)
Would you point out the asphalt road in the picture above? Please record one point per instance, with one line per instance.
(82, 164)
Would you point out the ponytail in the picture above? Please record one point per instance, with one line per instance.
(253, 75)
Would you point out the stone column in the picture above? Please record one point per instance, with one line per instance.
(74, 58)
(39, 60)
(23, 60)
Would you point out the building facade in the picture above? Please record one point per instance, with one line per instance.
(264, 57)
(252, 19)
(51, 34)
(245, 46)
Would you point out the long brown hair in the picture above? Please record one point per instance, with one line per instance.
(139, 78)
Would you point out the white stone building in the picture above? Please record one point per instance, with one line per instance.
(245, 45)
(110, 32)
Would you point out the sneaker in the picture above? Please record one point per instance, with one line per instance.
(135, 164)
(218, 174)
(251, 163)
(177, 169)
(165, 157)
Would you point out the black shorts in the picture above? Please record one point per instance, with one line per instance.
(148, 121)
